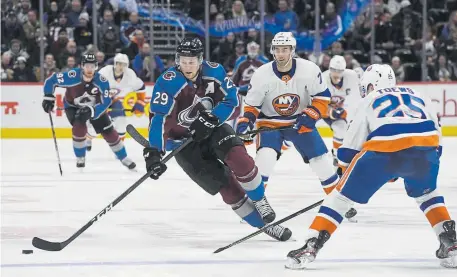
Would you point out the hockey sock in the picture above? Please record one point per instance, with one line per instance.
(247, 211)
(246, 172)
(116, 144)
(265, 160)
(79, 139)
(331, 213)
(432, 204)
(325, 171)
(337, 142)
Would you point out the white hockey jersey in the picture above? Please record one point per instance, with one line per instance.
(128, 82)
(390, 120)
(346, 94)
(277, 100)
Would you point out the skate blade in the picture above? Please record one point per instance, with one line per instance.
(450, 262)
(352, 220)
(293, 265)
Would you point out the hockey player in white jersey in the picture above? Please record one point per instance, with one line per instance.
(288, 92)
(344, 87)
(395, 132)
(122, 80)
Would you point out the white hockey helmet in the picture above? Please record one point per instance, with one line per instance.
(337, 64)
(283, 39)
(121, 58)
(378, 76)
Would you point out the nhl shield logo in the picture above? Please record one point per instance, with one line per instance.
(286, 104)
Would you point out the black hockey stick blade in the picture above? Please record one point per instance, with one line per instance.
(133, 132)
(261, 230)
(58, 246)
(47, 245)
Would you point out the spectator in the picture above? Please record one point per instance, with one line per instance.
(238, 10)
(213, 12)
(83, 32)
(110, 43)
(62, 23)
(70, 64)
(100, 56)
(137, 41)
(23, 10)
(331, 17)
(147, 68)
(109, 25)
(138, 61)
(325, 63)
(445, 70)
(286, 18)
(129, 6)
(129, 27)
(253, 35)
(407, 25)
(398, 69)
(49, 67)
(383, 33)
(6, 68)
(73, 14)
(450, 27)
(351, 63)
(11, 28)
(58, 47)
(226, 47)
(16, 51)
(239, 51)
(23, 73)
(52, 16)
(431, 70)
(31, 27)
(337, 48)
(70, 50)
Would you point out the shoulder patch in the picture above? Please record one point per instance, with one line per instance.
(169, 75)
(212, 64)
(102, 78)
(72, 73)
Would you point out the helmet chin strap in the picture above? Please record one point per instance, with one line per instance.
(288, 61)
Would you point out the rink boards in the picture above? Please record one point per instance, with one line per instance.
(22, 115)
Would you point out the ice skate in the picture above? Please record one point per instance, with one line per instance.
(447, 253)
(300, 258)
(128, 163)
(81, 162)
(265, 210)
(279, 233)
(350, 215)
(88, 144)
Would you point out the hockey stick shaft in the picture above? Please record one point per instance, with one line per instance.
(55, 144)
(57, 246)
(110, 110)
(260, 130)
(261, 230)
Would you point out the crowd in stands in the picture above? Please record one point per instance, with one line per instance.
(69, 32)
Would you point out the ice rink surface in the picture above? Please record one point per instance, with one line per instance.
(170, 227)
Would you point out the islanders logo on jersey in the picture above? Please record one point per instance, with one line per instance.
(286, 104)
(337, 101)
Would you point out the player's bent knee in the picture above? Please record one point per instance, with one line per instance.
(322, 166)
(223, 140)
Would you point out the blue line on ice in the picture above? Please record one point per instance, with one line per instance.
(207, 262)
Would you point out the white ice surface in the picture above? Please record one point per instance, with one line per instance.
(171, 227)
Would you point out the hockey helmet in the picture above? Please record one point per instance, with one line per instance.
(189, 47)
(121, 58)
(378, 76)
(283, 39)
(337, 64)
(89, 59)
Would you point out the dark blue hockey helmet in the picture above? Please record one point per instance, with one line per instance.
(189, 47)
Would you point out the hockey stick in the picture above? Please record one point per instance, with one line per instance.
(261, 230)
(260, 130)
(110, 110)
(57, 246)
(55, 144)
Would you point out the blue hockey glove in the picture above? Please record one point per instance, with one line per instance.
(306, 121)
(337, 113)
(244, 125)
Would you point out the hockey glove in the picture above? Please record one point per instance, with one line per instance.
(244, 125)
(203, 126)
(337, 113)
(83, 114)
(153, 159)
(306, 121)
(48, 103)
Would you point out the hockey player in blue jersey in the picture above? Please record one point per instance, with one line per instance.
(87, 97)
(197, 96)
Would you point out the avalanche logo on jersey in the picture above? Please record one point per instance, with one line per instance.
(169, 75)
(336, 101)
(188, 115)
(286, 104)
(248, 72)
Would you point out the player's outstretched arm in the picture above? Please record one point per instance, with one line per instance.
(225, 108)
(65, 79)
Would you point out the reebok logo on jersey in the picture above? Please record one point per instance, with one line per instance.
(286, 104)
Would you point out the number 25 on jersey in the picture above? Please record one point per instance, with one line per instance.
(403, 105)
